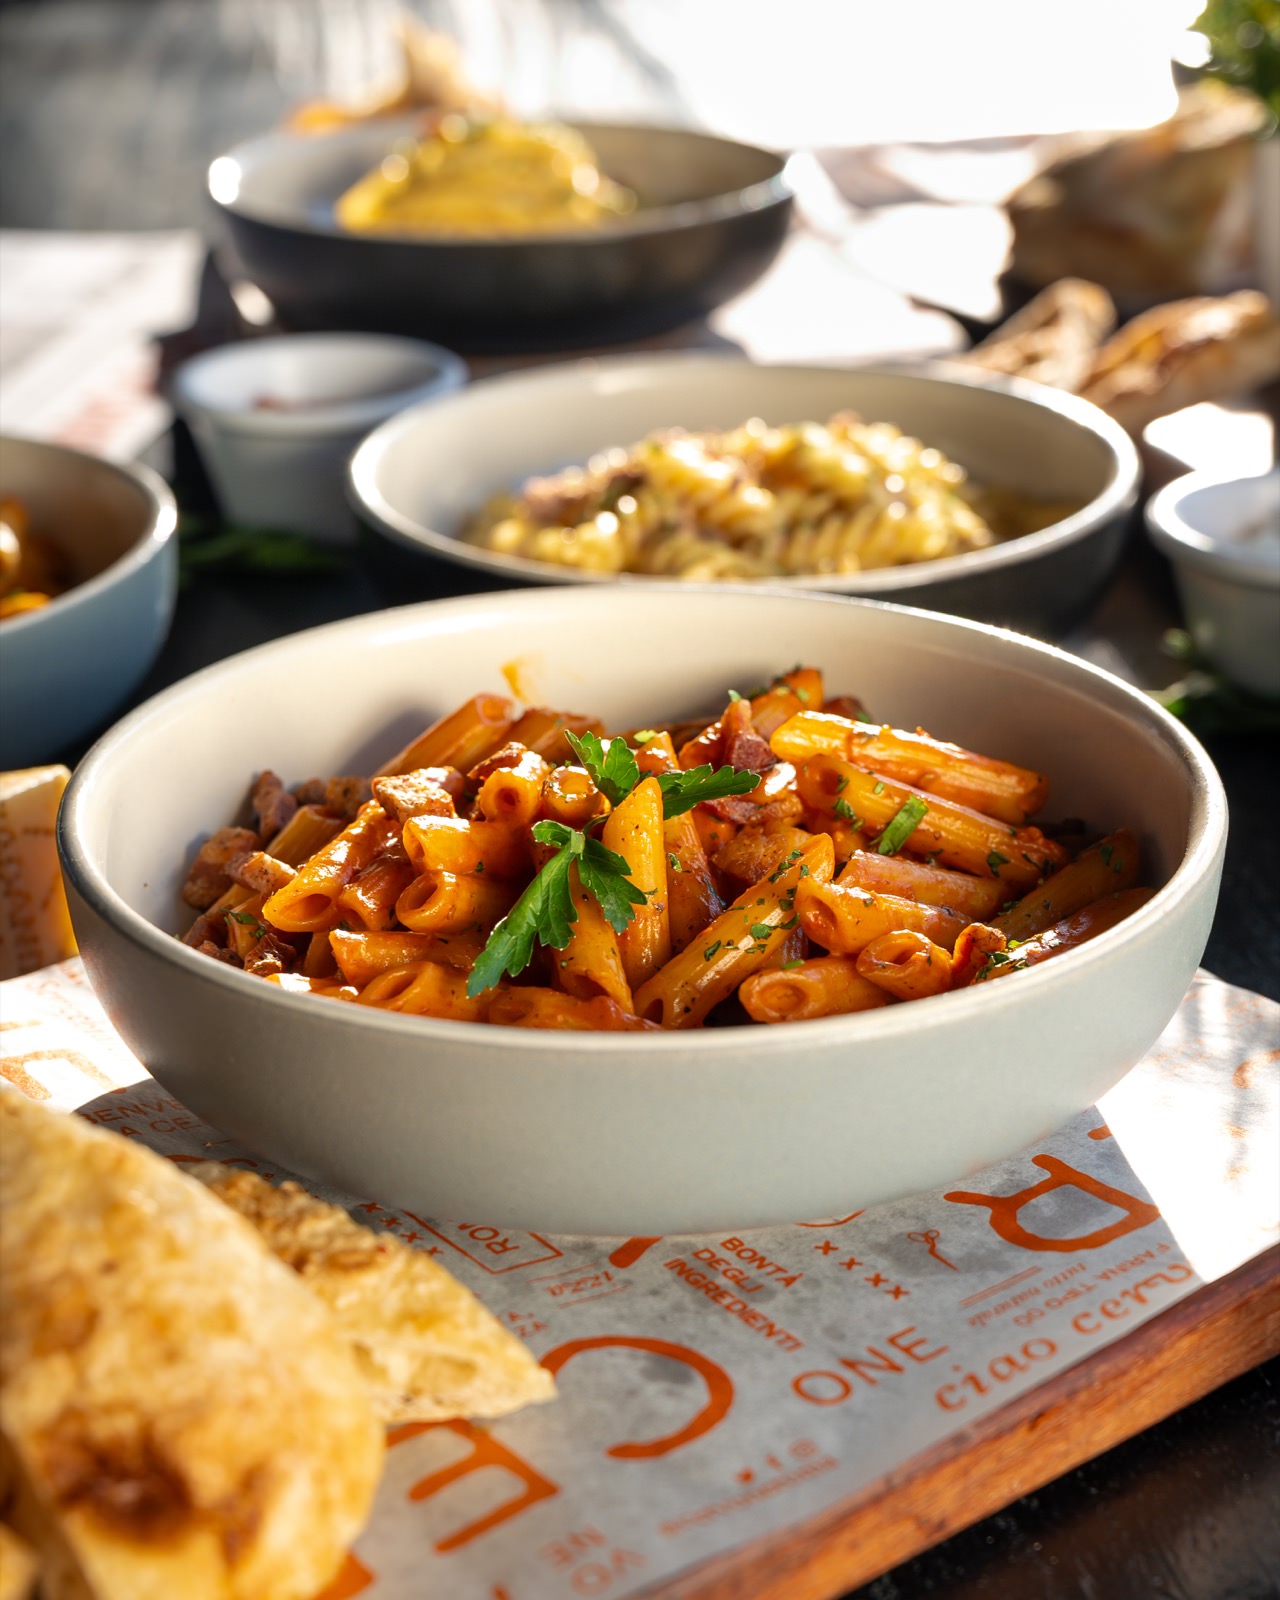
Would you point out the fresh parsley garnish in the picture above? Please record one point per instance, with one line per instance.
(899, 828)
(681, 791)
(995, 861)
(613, 769)
(842, 808)
(546, 912)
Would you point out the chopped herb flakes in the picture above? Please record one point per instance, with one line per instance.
(899, 828)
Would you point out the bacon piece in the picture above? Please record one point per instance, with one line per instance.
(208, 878)
(510, 755)
(742, 748)
(424, 792)
(272, 804)
(310, 792)
(346, 795)
(263, 873)
(218, 953)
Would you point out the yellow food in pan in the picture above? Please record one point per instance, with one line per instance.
(485, 177)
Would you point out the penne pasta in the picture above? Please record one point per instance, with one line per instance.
(907, 965)
(951, 833)
(783, 861)
(996, 788)
(736, 944)
(633, 829)
(460, 739)
(452, 902)
(827, 986)
(974, 898)
(1102, 869)
(845, 920)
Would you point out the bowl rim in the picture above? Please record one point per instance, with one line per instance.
(1188, 546)
(160, 529)
(1116, 498)
(361, 412)
(779, 189)
(1205, 844)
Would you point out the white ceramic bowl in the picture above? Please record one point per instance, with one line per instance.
(66, 667)
(1224, 542)
(417, 479)
(633, 1133)
(276, 420)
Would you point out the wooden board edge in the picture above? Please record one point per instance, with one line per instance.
(1177, 1357)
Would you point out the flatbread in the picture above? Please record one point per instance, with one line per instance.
(427, 1347)
(1183, 353)
(179, 1417)
(1053, 339)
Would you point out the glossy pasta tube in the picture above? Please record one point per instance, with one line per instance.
(425, 989)
(826, 986)
(452, 902)
(462, 738)
(361, 956)
(569, 796)
(845, 920)
(737, 943)
(996, 788)
(974, 898)
(310, 902)
(1104, 868)
(634, 830)
(318, 960)
(245, 926)
(972, 952)
(906, 965)
(1071, 932)
(529, 1006)
(308, 830)
(692, 897)
(455, 844)
(543, 731)
(513, 794)
(369, 900)
(957, 836)
(591, 962)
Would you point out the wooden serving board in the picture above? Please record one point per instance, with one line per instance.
(1174, 1359)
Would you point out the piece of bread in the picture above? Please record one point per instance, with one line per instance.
(1054, 339)
(179, 1418)
(427, 1347)
(1183, 353)
(1150, 214)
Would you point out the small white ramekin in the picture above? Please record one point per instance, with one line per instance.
(277, 420)
(1224, 542)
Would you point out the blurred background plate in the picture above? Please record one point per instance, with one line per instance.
(711, 217)
(417, 478)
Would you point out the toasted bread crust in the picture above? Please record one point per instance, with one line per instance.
(181, 1418)
(427, 1347)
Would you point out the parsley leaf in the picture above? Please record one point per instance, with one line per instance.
(614, 769)
(842, 808)
(681, 791)
(545, 912)
(604, 875)
(995, 861)
(899, 828)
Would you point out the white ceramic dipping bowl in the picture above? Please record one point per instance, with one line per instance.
(66, 667)
(633, 1133)
(276, 420)
(1224, 542)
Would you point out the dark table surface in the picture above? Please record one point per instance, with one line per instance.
(98, 94)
